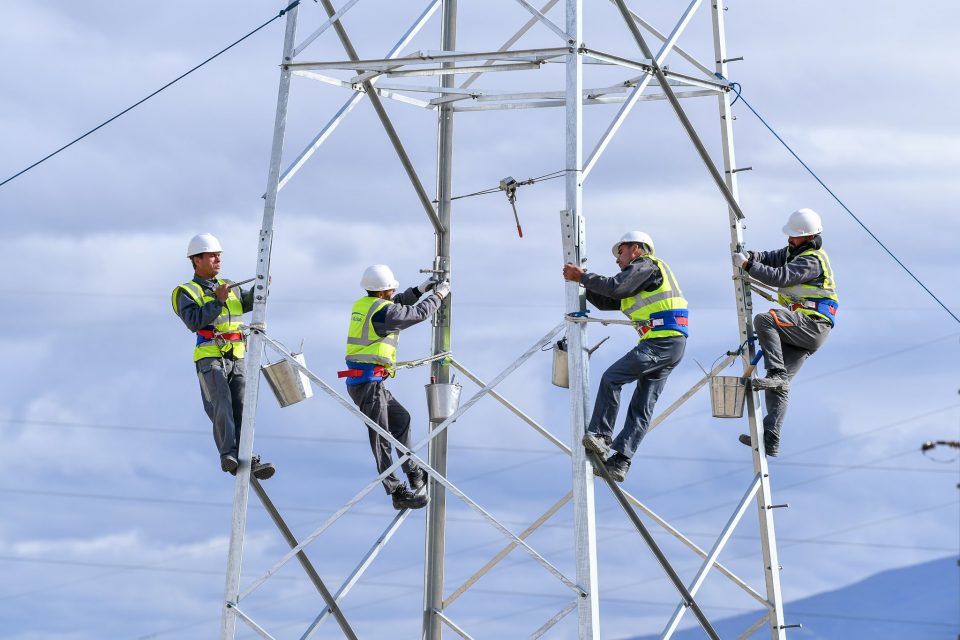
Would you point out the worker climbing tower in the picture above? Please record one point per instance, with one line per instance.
(645, 76)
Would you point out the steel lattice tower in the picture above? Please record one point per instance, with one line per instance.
(375, 80)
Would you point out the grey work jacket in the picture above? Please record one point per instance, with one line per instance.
(772, 268)
(197, 317)
(404, 312)
(605, 293)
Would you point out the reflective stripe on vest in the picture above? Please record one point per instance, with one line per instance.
(661, 302)
(228, 322)
(363, 342)
(813, 299)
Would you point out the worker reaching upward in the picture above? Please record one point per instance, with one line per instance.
(372, 337)
(210, 307)
(805, 284)
(647, 292)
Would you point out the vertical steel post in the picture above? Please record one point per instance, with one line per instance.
(574, 249)
(228, 620)
(768, 539)
(440, 370)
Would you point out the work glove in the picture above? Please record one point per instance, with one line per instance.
(427, 284)
(442, 289)
(740, 259)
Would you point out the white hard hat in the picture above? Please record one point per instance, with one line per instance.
(378, 277)
(803, 222)
(633, 236)
(203, 243)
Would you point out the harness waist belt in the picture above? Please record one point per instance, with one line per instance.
(676, 320)
(229, 337)
(363, 372)
(824, 306)
(378, 371)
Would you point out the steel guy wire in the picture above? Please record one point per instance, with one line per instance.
(528, 181)
(737, 90)
(142, 100)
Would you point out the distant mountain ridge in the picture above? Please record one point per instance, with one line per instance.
(920, 602)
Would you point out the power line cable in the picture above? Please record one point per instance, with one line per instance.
(540, 453)
(735, 86)
(877, 358)
(141, 101)
(829, 443)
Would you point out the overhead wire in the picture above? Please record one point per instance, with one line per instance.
(530, 181)
(142, 100)
(541, 453)
(547, 176)
(737, 89)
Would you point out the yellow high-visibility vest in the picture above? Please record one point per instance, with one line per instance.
(819, 300)
(364, 344)
(228, 322)
(660, 313)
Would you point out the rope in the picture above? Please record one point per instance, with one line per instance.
(602, 321)
(735, 87)
(138, 103)
(408, 364)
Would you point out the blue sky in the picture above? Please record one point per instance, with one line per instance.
(115, 515)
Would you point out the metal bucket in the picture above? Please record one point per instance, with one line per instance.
(443, 400)
(288, 384)
(561, 366)
(727, 394)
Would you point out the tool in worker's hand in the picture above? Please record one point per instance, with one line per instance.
(509, 186)
(237, 284)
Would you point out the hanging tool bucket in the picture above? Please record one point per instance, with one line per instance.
(443, 400)
(727, 394)
(561, 366)
(288, 384)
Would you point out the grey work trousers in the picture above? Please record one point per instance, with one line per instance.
(222, 381)
(648, 364)
(377, 403)
(787, 338)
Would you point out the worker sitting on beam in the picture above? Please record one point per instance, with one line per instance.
(375, 324)
(805, 285)
(647, 292)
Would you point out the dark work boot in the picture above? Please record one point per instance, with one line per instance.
(262, 470)
(417, 480)
(617, 466)
(600, 445)
(228, 463)
(403, 498)
(775, 379)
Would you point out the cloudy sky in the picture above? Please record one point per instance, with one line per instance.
(115, 515)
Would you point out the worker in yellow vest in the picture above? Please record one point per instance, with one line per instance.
(647, 292)
(213, 310)
(372, 337)
(805, 284)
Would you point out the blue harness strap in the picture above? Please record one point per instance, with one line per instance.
(824, 306)
(368, 372)
(670, 320)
